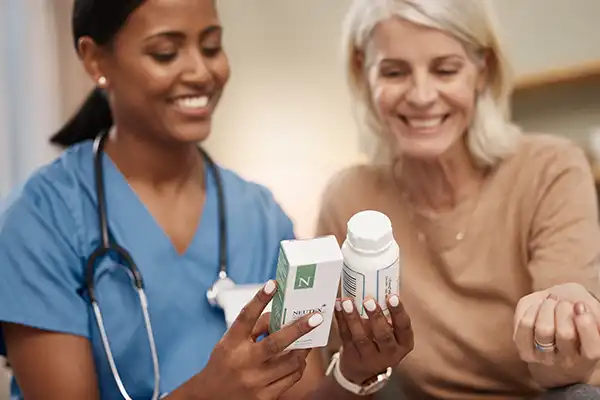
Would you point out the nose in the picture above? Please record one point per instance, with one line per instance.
(197, 70)
(423, 91)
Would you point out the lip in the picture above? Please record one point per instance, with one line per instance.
(432, 116)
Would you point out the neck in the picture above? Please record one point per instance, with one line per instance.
(152, 164)
(441, 184)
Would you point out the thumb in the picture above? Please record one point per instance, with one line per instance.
(581, 294)
(525, 303)
(594, 308)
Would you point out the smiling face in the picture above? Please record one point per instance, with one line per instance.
(424, 87)
(166, 69)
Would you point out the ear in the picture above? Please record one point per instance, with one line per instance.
(91, 55)
(358, 61)
(487, 63)
(359, 67)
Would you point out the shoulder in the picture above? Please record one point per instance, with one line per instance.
(540, 159)
(358, 183)
(50, 196)
(244, 191)
(41, 251)
(544, 149)
(351, 190)
(247, 200)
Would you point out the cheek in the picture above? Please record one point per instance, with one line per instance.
(462, 95)
(221, 70)
(462, 100)
(386, 98)
(145, 84)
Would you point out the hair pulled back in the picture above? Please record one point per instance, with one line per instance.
(101, 20)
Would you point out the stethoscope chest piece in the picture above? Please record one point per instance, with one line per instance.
(221, 284)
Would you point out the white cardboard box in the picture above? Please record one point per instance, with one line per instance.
(308, 277)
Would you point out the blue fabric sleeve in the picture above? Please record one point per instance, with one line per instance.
(40, 271)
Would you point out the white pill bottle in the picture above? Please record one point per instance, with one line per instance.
(371, 260)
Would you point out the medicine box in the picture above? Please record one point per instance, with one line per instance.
(308, 278)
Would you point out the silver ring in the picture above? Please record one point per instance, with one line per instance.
(544, 347)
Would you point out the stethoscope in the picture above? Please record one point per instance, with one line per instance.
(108, 246)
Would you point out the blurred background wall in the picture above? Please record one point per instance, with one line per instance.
(285, 120)
(29, 70)
(285, 117)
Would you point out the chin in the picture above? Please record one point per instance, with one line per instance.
(422, 154)
(425, 150)
(191, 133)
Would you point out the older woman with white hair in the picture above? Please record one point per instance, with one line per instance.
(498, 230)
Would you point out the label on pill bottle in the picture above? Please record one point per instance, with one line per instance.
(380, 284)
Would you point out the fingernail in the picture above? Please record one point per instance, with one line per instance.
(347, 306)
(269, 287)
(370, 305)
(338, 305)
(394, 301)
(315, 320)
(580, 309)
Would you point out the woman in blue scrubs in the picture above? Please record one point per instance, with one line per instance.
(159, 70)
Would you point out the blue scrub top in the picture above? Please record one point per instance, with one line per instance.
(48, 228)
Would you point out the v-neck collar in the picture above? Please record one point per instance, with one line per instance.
(130, 220)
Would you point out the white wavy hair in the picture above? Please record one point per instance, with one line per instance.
(491, 135)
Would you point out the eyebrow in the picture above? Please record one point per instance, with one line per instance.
(389, 62)
(442, 57)
(180, 35)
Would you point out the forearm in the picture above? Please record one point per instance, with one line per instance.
(548, 377)
(181, 394)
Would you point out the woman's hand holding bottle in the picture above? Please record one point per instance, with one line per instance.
(242, 368)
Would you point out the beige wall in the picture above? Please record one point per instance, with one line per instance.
(542, 34)
(548, 34)
(286, 120)
(74, 84)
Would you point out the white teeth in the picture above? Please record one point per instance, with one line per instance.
(425, 123)
(193, 102)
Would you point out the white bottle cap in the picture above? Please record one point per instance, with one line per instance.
(370, 232)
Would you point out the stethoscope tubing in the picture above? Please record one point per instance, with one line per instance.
(107, 246)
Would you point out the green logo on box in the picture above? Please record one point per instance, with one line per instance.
(305, 276)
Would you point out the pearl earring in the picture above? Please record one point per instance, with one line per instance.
(101, 81)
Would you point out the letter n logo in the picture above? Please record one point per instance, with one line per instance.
(305, 276)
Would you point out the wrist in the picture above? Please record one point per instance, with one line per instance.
(197, 387)
(356, 382)
(356, 377)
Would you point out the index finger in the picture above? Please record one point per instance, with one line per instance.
(277, 342)
(245, 322)
(522, 306)
(523, 336)
(400, 320)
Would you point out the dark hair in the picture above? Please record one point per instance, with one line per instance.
(101, 20)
